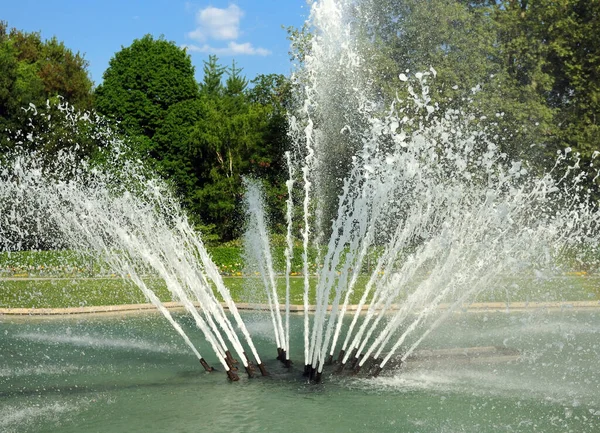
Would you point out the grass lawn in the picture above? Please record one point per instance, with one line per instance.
(75, 292)
(66, 282)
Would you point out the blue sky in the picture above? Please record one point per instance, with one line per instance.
(248, 31)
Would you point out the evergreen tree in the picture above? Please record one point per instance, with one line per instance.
(213, 75)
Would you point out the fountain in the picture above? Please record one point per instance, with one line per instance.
(417, 217)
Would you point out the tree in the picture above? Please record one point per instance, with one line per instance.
(235, 84)
(213, 74)
(465, 42)
(49, 67)
(552, 49)
(179, 157)
(47, 75)
(241, 132)
(142, 82)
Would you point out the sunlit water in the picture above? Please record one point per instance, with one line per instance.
(129, 374)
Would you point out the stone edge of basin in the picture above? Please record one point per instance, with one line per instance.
(133, 308)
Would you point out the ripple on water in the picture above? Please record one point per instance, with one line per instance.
(17, 418)
(40, 370)
(102, 342)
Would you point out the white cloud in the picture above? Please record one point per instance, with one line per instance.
(231, 49)
(219, 24)
(222, 25)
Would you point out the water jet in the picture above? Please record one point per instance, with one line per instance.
(428, 204)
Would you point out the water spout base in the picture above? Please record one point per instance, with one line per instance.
(307, 368)
(356, 361)
(230, 364)
(230, 358)
(376, 370)
(250, 370)
(318, 377)
(313, 372)
(232, 376)
(205, 365)
(262, 369)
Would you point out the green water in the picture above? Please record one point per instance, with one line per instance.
(134, 374)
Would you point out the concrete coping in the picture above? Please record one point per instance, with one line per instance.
(466, 308)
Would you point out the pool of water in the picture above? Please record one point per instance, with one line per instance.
(134, 374)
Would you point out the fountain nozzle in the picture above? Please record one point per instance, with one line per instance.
(230, 357)
(230, 364)
(376, 370)
(205, 365)
(232, 376)
(356, 361)
(262, 369)
(318, 377)
(250, 370)
(307, 368)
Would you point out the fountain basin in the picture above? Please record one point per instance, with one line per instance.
(132, 373)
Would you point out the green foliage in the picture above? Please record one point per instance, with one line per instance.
(553, 49)
(142, 82)
(230, 260)
(33, 72)
(179, 158)
(534, 64)
(201, 138)
(242, 132)
(462, 41)
(527, 69)
(213, 75)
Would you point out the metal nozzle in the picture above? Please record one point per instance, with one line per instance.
(205, 365)
(232, 376)
(313, 372)
(230, 358)
(230, 364)
(318, 377)
(307, 368)
(376, 370)
(262, 369)
(251, 370)
(356, 361)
